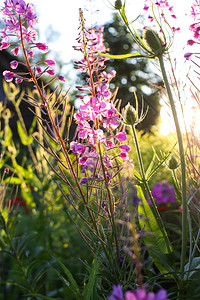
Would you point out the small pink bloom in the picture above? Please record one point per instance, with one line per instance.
(84, 180)
(61, 78)
(30, 53)
(188, 55)
(8, 75)
(51, 72)
(121, 136)
(110, 144)
(82, 160)
(190, 42)
(42, 47)
(77, 148)
(123, 155)
(4, 46)
(16, 51)
(18, 80)
(125, 148)
(39, 70)
(14, 64)
(50, 62)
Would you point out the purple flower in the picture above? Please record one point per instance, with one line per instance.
(188, 55)
(84, 180)
(163, 192)
(50, 62)
(117, 293)
(121, 136)
(14, 64)
(41, 46)
(139, 294)
(8, 75)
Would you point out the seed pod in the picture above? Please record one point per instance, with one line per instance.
(130, 115)
(118, 4)
(154, 42)
(172, 163)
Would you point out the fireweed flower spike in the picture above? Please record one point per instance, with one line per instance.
(97, 116)
(19, 19)
(155, 46)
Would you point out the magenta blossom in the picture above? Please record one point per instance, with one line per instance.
(139, 294)
(8, 75)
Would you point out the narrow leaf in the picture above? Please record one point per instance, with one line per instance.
(123, 56)
(153, 236)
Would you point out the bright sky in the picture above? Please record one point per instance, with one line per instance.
(63, 16)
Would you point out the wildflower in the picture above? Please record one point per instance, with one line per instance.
(14, 64)
(139, 294)
(121, 136)
(117, 293)
(8, 75)
(163, 192)
(172, 163)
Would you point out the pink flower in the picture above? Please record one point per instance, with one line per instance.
(51, 72)
(50, 62)
(41, 46)
(188, 55)
(14, 64)
(16, 51)
(8, 75)
(61, 78)
(18, 80)
(39, 70)
(77, 148)
(123, 155)
(121, 136)
(124, 148)
(4, 46)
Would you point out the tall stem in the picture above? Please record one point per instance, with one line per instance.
(182, 160)
(147, 189)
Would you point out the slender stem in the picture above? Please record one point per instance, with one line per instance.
(182, 160)
(146, 186)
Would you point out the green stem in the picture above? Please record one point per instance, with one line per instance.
(182, 160)
(147, 189)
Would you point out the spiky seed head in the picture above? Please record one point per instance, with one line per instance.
(154, 41)
(118, 4)
(173, 163)
(130, 115)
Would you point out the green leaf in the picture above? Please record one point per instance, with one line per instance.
(26, 140)
(123, 56)
(153, 235)
(193, 269)
(74, 286)
(13, 180)
(88, 291)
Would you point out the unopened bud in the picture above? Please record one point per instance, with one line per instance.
(130, 115)
(153, 41)
(118, 4)
(172, 163)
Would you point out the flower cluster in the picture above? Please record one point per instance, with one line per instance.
(19, 19)
(163, 6)
(163, 192)
(139, 294)
(194, 27)
(97, 115)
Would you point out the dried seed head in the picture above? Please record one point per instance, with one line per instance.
(172, 163)
(118, 4)
(153, 41)
(130, 115)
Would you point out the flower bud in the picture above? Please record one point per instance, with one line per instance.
(118, 4)
(153, 41)
(130, 115)
(172, 163)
